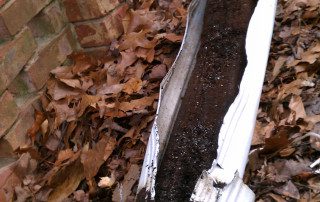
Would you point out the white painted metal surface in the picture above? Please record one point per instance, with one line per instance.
(238, 124)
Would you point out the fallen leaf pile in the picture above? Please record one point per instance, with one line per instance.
(89, 138)
(283, 162)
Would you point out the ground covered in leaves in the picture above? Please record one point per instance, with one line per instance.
(90, 133)
(283, 163)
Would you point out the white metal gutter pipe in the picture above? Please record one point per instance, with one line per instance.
(238, 125)
(223, 182)
(172, 89)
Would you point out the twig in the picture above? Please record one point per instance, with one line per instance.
(313, 134)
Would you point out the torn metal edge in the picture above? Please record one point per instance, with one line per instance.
(172, 88)
(209, 189)
(223, 182)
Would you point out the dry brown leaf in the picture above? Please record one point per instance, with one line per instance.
(254, 160)
(143, 124)
(44, 126)
(112, 74)
(119, 167)
(117, 163)
(127, 59)
(108, 123)
(310, 56)
(6, 151)
(146, 4)
(32, 151)
(74, 83)
(59, 91)
(86, 83)
(277, 66)
(70, 129)
(283, 170)
(289, 189)
(314, 183)
(63, 72)
(86, 101)
(145, 137)
(7, 181)
(291, 88)
(312, 119)
(170, 36)
(82, 62)
(158, 72)
(92, 159)
(22, 193)
(62, 112)
(124, 190)
(297, 106)
(129, 134)
(136, 71)
(134, 85)
(146, 54)
(138, 104)
(315, 143)
(115, 113)
(63, 156)
(262, 132)
(143, 19)
(294, 6)
(277, 198)
(39, 119)
(54, 141)
(292, 168)
(110, 89)
(12, 175)
(280, 140)
(66, 181)
(310, 14)
(173, 37)
(136, 39)
(287, 152)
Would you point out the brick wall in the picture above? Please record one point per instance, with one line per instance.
(96, 22)
(35, 37)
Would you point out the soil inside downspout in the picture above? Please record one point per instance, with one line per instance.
(212, 88)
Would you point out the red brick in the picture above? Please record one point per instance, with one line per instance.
(8, 112)
(21, 86)
(102, 31)
(2, 2)
(17, 135)
(14, 55)
(16, 13)
(48, 57)
(80, 10)
(49, 21)
(102, 53)
(4, 32)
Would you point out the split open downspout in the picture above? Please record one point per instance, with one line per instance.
(223, 182)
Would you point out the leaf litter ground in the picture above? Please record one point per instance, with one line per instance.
(90, 133)
(283, 162)
(91, 129)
